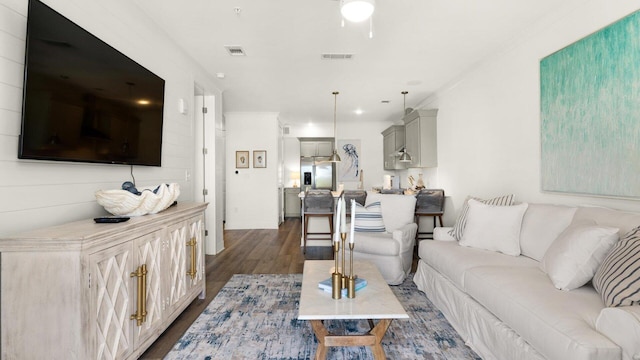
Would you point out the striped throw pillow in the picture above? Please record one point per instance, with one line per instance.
(369, 218)
(461, 221)
(617, 279)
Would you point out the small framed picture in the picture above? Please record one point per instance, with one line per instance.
(242, 159)
(259, 158)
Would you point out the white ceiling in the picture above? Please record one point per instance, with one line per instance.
(418, 46)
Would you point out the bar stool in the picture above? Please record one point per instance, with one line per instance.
(360, 196)
(429, 202)
(317, 203)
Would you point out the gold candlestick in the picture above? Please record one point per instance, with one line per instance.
(351, 289)
(343, 236)
(336, 277)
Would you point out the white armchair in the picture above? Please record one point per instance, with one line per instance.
(391, 251)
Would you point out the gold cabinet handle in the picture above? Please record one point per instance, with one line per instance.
(192, 272)
(141, 312)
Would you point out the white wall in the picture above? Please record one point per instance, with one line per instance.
(252, 193)
(40, 193)
(489, 119)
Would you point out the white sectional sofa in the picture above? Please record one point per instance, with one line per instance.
(508, 307)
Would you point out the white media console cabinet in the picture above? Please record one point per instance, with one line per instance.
(99, 291)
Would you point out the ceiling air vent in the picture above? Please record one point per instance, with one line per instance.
(336, 56)
(234, 50)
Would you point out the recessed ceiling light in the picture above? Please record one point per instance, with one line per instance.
(358, 111)
(220, 75)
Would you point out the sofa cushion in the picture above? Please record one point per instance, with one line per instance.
(461, 221)
(618, 278)
(453, 260)
(397, 210)
(558, 324)
(495, 228)
(572, 260)
(625, 221)
(377, 243)
(541, 225)
(622, 326)
(368, 218)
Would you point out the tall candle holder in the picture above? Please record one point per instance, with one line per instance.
(351, 282)
(336, 277)
(343, 236)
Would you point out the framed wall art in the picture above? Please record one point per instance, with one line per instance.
(242, 159)
(259, 158)
(589, 114)
(349, 151)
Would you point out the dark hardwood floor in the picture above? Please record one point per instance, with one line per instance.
(246, 252)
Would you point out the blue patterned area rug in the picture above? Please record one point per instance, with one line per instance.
(255, 317)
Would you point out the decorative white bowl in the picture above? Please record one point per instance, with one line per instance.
(125, 203)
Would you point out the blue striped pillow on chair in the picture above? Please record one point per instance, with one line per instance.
(369, 218)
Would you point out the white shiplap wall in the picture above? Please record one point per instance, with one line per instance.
(35, 194)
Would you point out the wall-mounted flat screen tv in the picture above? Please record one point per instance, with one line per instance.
(84, 100)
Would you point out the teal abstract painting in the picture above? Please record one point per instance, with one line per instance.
(590, 114)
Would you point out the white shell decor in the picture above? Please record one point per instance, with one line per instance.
(125, 203)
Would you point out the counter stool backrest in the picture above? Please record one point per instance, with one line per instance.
(430, 201)
(360, 196)
(318, 201)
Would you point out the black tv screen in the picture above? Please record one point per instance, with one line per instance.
(84, 100)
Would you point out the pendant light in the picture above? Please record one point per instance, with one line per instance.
(404, 155)
(335, 157)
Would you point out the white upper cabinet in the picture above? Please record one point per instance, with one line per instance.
(393, 142)
(316, 148)
(421, 138)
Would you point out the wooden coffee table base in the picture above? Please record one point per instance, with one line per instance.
(373, 338)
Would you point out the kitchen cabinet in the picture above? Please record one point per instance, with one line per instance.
(421, 138)
(316, 148)
(393, 142)
(292, 203)
(100, 291)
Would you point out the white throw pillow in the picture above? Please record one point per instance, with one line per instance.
(368, 218)
(495, 228)
(572, 260)
(541, 226)
(458, 228)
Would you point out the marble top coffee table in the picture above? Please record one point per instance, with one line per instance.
(374, 302)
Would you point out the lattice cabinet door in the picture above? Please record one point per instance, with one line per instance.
(176, 284)
(196, 238)
(148, 251)
(186, 242)
(111, 305)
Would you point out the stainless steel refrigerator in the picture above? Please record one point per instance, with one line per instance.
(317, 173)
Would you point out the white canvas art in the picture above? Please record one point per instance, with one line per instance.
(349, 167)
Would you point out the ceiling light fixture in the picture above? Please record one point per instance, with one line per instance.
(335, 157)
(404, 155)
(357, 10)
